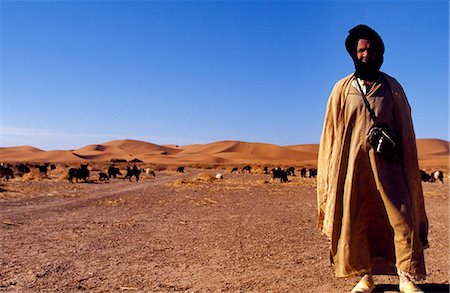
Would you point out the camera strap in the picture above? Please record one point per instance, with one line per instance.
(366, 102)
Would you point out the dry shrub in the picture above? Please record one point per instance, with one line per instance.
(33, 175)
(299, 181)
(199, 179)
(179, 182)
(158, 168)
(205, 177)
(60, 173)
(257, 170)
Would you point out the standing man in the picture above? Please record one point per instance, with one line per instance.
(369, 194)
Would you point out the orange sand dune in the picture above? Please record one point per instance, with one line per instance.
(240, 148)
(98, 152)
(134, 147)
(19, 150)
(35, 155)
(308, 148)
(433, 147)
(123, 149)
(239, 152)
(433, 153)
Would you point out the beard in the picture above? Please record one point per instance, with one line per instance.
(366, 70)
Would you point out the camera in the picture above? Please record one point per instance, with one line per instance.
(382, 143)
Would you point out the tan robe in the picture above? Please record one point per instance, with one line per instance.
(365, 200)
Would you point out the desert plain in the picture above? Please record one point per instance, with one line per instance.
(188, 232)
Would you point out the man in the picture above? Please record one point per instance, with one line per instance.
(370, 199)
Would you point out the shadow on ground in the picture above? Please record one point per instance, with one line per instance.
(427, 288)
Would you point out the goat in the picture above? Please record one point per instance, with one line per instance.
(432, 177)
(437, 175)
(312, 172)
(42, 168)
(6, 173)
(148, 171)
(79, 173)
(424, 176)
(133, 172)
(103, 177)
(246, 169)
(278, 173)
(290, 171)
(303, 172)
(113, 172)
(22, 168)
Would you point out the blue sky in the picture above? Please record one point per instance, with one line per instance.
(182, 72)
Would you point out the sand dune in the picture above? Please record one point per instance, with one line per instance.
(433, 147)
(140, 147)
(248, 152)
(309, 148)
(19, 150)
(433, 153)
(123, 149)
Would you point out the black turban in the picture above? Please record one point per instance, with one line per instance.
(364, 32)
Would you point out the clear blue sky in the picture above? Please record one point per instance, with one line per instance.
(181, 72)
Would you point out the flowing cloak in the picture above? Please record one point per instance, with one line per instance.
(349, 172)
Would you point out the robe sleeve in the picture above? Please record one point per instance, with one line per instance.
(409, 159)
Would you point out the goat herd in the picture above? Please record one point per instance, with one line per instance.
(280, 173)
(8, 171)
(83, 172)
(432, 177)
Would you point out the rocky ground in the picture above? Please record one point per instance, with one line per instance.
(182, 232)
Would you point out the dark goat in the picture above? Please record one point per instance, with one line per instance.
(79, 173)
(303, 172)
(312, 172)
(424, 176)
(246, 169)
(22, 168)
(113, 172)
(133, 172)
(6, 173)
(42, 168)
(432, 177)
(290, 171)
(437, 175)
(278, 173)
(180, 170)
(103, 177)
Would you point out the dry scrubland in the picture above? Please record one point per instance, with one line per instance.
(180, 232)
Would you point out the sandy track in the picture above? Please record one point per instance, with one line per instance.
(77, 194)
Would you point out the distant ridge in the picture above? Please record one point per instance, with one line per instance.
(433, 153)
(140, 147)
(19, 150)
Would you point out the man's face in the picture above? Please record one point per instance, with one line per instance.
(365, 52)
